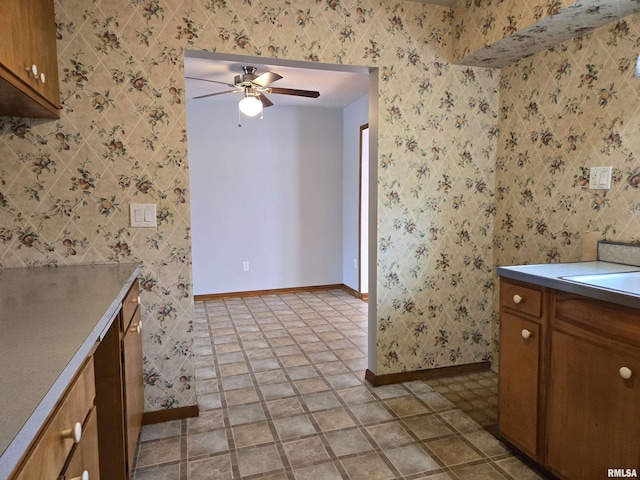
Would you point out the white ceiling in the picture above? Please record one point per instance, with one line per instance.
(338, 85)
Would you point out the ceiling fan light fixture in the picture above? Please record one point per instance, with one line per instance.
(250, 106)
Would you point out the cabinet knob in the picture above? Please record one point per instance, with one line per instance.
(84, 476)
(137, 328)
(517, 299)
(74, 433)
(525, 333)
(625, 373)
(43, 79)
(135, 300)
(33, 69)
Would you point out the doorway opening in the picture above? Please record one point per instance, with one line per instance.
(256, 191)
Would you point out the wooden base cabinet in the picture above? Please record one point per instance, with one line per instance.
(68, 431)
(569, 393)
(519, 378)
(119, 391)
(593, 414)
(521, 344)
(133, 382)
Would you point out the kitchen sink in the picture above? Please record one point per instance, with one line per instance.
(625, 282)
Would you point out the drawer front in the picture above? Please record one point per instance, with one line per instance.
(597, 319)
(85, 458)
(520, 298)
(49, 454)
(129, 305)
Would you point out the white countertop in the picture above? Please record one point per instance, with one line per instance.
(551, 276)
(50, 319)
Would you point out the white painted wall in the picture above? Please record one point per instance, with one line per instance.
(354, 116)
(364, 210)
(268, 193)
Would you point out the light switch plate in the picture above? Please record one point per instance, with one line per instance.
(143, 214)
(600, 178)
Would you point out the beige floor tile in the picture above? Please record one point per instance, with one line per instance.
(160, 430)
(320, 401)
(294, 427)
(426, 426)
(389, 434)
(282, 397)
(305, 452)
(333, 419)
(252, 434)
(482, 471)
(241, 396)
(159, 451)
(164, 472)
(406, 406)
(323, 471)
(285, 407)
(348, 442)
(311, 385)
(367, 467)
(209, 468)
(239, 414)
(207, 443)
(255, 460)
(411, 459)
(453, 451)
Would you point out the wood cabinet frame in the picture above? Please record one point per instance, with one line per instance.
(580, 336)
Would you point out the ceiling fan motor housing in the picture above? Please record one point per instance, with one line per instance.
(246, 79)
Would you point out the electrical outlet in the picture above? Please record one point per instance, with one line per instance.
(600, 178)
(245, 266)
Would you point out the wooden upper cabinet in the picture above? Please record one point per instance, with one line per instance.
(28, 60)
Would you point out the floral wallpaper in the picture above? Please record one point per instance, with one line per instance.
(65, 185)
(563, 111)
(459, 173)
(495, 33)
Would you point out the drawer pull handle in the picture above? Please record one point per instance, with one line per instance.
(135, 300)
(33, 70)
(625, 373)
(43, 79)
(74, 433)
(84, 476)
(517, 299)
(137, 328)
(525, 333)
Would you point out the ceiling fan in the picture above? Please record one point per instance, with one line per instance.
(254, 87)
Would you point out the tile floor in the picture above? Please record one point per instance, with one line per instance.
(281, 391)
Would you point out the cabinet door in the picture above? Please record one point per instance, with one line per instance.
(27, 38)
(85, 458)
(518, 382)
(43, 41)
(15, 36)
(133, 386)
(594, 413)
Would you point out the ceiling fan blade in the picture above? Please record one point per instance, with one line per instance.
(217, 93)
(293, 91)
(212, 81)
(265, 101)
(266, 78)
